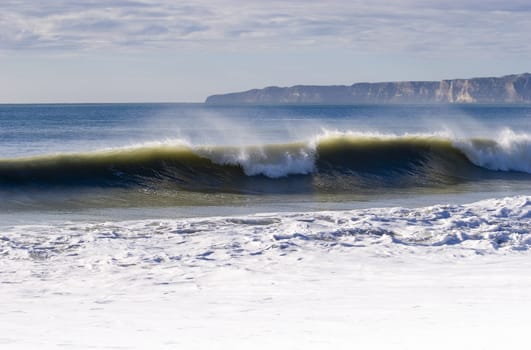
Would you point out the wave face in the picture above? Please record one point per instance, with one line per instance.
(332, 163)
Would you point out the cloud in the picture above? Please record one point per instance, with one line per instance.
(367, 26)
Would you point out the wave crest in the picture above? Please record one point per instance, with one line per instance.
(273, 161)
(508, 152)
(334, 161)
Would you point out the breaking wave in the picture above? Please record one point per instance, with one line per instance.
(335, 161)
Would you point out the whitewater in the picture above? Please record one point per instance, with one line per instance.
(162, 226)
(337, 278)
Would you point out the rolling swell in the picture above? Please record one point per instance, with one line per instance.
(331, 164)
(125, 168)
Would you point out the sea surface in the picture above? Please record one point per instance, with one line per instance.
(123, 161)
(168, 226)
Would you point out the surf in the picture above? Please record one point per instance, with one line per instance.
(344, 161)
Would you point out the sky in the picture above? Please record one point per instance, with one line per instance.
(183, 51)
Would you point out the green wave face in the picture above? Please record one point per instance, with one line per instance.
(331, 164)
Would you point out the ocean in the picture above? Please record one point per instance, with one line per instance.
(116, 203)
(194, 159)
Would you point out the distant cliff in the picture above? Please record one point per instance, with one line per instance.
(508, 89)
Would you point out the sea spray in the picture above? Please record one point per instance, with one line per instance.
(273, 161)
(508, 151)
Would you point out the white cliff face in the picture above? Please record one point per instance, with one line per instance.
(444, 93)
(463, 96)
(512, 95)
(507, 89)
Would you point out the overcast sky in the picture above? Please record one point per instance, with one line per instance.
(182, 51)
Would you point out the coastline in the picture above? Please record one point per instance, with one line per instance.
(294, 279)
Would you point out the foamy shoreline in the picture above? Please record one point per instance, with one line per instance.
(390, 277)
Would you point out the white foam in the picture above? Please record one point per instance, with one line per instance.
(268, 161)
(508, 151)
(488, 226)
(334, 278)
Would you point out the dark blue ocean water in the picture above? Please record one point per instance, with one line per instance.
(46, 130)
